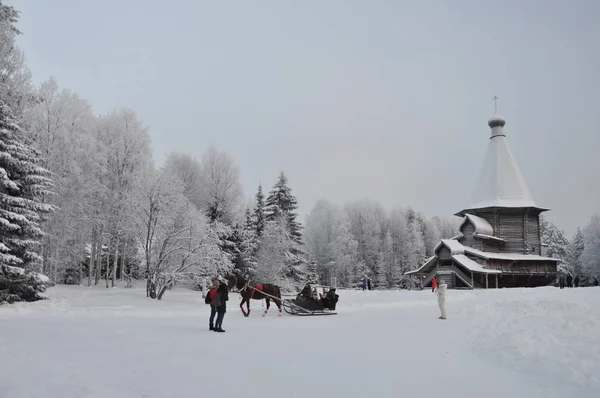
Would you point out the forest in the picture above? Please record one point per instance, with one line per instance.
(82, 201)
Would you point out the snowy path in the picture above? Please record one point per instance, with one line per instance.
(116, 343)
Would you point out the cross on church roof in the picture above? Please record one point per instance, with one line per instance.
(495, 99)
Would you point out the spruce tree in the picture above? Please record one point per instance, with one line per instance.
(259, 212)
(23, 186)
(281, 203)
(248, 246)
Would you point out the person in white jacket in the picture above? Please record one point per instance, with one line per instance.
(441, 293)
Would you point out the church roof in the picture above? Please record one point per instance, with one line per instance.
(500, 182)
(480, 224)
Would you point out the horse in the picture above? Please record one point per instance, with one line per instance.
(254, 291)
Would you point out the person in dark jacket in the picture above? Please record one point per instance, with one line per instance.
(576, 281)
(220, 302)
(209, 300)
(561, 281)
(569, 280)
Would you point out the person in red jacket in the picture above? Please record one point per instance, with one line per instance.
(209, 300)
(433, 284)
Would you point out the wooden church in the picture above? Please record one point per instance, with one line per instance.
(499, 244)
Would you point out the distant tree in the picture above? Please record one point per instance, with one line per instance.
(222, 193)
(346, 266)
(591, 251)
(281, 203)
(322, 228)
(384, 272)
(259, 212)
(575, 253)
(248, 247)
(558, 244)
(189, 171)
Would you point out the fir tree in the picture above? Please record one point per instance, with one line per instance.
(23, 186)
(281, 203)
(248, 246)
(259, 212)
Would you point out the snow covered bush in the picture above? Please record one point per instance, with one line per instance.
(177, 241)
(16, 284)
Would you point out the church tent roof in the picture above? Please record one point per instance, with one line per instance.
(500, 182)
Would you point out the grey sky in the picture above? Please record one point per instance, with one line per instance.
(352, 99)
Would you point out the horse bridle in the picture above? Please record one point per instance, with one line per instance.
(235, 286)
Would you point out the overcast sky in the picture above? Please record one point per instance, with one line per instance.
(352, 99)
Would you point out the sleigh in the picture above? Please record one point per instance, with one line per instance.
(319, 301)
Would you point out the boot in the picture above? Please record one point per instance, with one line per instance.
(211, 327)
(219, 330)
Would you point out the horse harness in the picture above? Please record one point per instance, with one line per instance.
(244, 288)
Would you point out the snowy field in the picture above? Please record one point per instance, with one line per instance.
(97, 342)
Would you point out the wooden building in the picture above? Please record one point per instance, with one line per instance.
(499, 244)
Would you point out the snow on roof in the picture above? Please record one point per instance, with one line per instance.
(507, 256)
(482, 236)
(496, 120)
(481, 225)
(455, 246)
(500, 182)
(472, 265)
(422, 267)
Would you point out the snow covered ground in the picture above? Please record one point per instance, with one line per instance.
(97, 342)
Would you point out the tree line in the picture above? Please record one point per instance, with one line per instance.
(82, 201)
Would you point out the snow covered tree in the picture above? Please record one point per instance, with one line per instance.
(281, 203)
(368, 221)
(61, 126)
(272, 252)
(414, 252)
(346, 266)
(558, 244)
(576, 248)
(591, 250)
(24, 185)
(189, 171)
(386, 264)
(127, 162)
(15, 77)
(248, 246)
(313, 275)
(322, 228)
(16, 284)
(222, 192)
(178, 242)
(259, 212)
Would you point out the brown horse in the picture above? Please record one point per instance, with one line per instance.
(254, 291)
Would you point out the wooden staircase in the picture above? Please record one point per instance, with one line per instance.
(451, 273)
